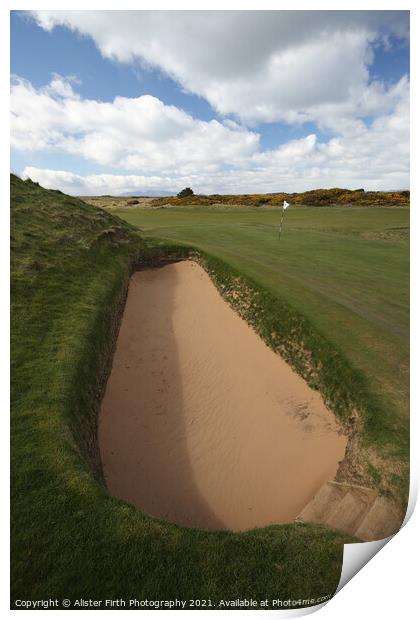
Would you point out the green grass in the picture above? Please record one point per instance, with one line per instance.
(70, 267)
(347, 272)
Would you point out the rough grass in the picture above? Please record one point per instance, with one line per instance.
(70, 267)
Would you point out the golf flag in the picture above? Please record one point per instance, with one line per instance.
(285, 205)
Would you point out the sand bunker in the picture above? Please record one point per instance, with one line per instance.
(201, 423)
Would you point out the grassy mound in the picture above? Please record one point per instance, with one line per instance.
(70, 540)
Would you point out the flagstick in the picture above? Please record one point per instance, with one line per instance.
(281, 223)
(285, 205)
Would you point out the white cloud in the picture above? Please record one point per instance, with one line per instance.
(131, 133)
(376, 158)
(258, 65)
(97, 184)
(170, 149)
(61, 87)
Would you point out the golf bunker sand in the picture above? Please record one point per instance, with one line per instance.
(201, 423)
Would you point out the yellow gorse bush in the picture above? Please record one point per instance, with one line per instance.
(316, 197)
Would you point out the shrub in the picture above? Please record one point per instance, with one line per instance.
(187, 191)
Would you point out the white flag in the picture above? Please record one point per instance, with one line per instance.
(285, 205)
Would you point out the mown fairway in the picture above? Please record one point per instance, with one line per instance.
(346, 269)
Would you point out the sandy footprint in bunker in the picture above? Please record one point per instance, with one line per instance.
(312, 419)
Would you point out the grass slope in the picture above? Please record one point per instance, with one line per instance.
(347, 272)
(70, 268)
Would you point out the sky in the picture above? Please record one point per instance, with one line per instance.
(149, 102)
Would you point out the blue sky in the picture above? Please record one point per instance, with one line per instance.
(267, 130)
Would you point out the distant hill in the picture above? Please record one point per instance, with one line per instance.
(151, 194)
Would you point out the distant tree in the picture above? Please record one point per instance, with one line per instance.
(187, 191)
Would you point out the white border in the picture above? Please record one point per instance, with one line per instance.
(386, 586)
